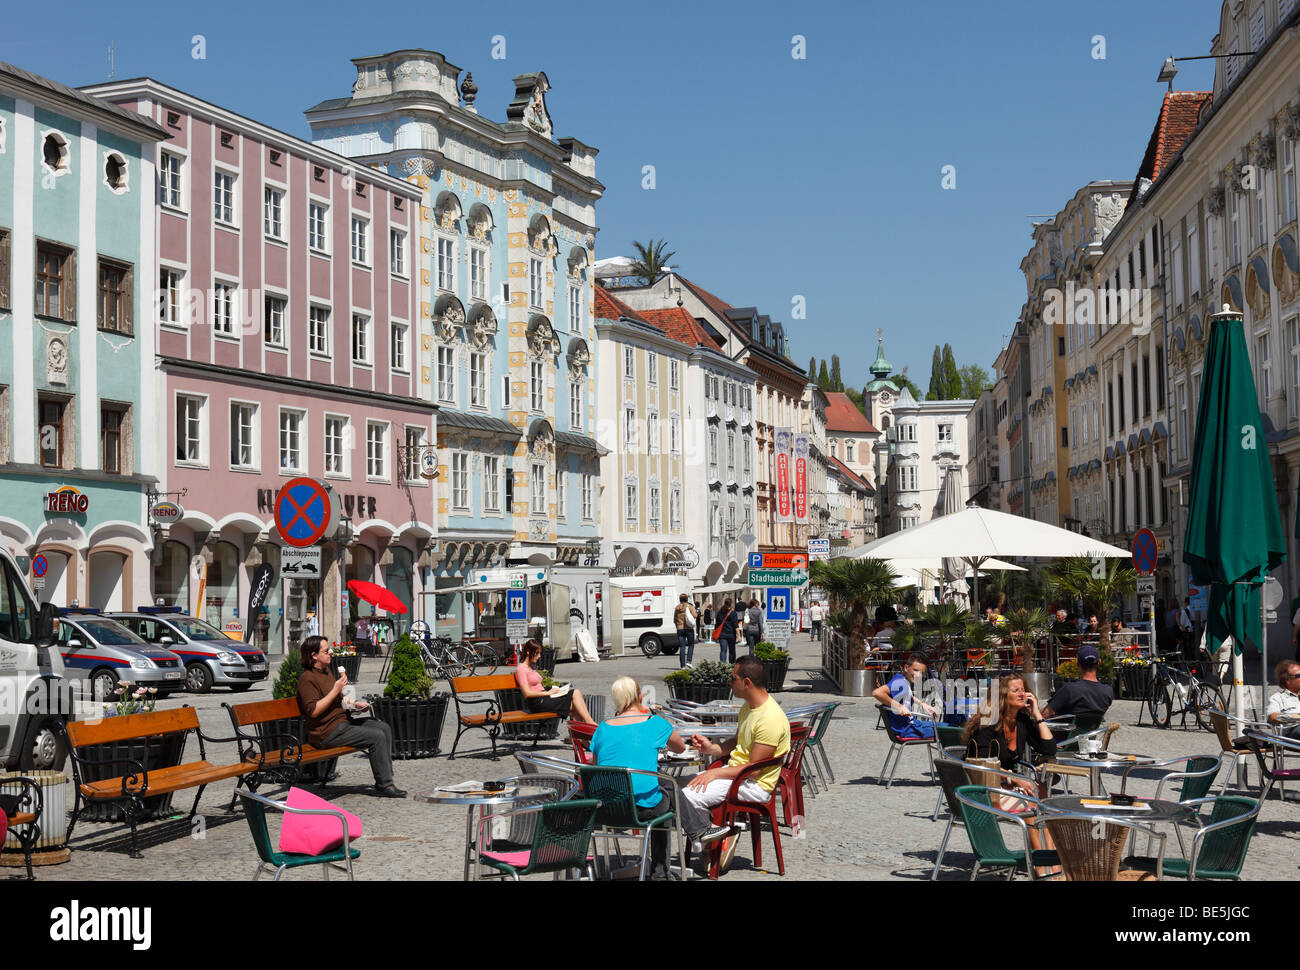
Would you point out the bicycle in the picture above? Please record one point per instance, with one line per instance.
(445, 659)
(1175, 689)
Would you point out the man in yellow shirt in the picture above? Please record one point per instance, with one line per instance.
(763, 732)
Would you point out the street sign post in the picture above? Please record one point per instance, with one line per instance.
(1145, 551)
(302, 512)
(778, 615)
(301, 563)
(39, 566)
(1146, 586)
(778, 560)
(764, 578)
(819, 548)
(517, 614)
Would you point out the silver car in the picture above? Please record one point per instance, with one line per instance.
(211, 658)
(100, 652)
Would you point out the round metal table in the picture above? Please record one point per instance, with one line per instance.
(474, 800)
(1105, 759)
(1160, 810)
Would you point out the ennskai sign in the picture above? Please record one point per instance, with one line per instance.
(67, 501)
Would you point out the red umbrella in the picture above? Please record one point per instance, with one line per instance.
(377, 596)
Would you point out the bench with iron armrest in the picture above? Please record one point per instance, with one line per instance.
(493, 716)
(23, 808)
(276, 757)
(137, 783)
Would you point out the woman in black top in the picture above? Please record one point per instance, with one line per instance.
(728, 621)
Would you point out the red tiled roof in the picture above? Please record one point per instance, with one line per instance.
(681, 326)
(610, 308)
(1179, 113)
(843, 415)
(850, 474)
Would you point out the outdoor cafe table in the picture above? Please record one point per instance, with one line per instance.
(1106, 759)
(525, 794)
(1160, 810)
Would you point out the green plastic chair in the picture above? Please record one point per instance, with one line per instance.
(1219, 848)
(561, 838)
(255, 807)
(985, 834)
(617, 817)
(1195, 781)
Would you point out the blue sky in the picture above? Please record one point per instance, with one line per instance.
(775, 177)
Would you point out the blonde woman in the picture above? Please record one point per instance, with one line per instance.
(632, 738)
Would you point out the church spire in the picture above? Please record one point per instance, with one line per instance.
(880, 368)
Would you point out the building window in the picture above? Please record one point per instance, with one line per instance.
(116, 297)
(575, 307)
(291, 451)
(414, 450)
(746, 446)
(674, 434)
(273, 212)
(535, 282)
(1234, 227)
(377, 450)
(629, 363)
(397, 251)
(537, 384)
(1265, 370)
(190, 447)
(360, 240)
(675, 508)
(630, 505)
(50, 419)
(652, 368)
(446, 264)
(223, 309)
(588, 498)
(318, 330)
(1288, 181)
(652, 432)
(575, 405)
(478, 380)
(848, 447)
(907, 478)
(335, 436)
(537, 485)
(460, 481)
(273, 324)
(447, 374)
(1293, 341)
(317, 215)
(629, 429)
(561, 492)
(397, 334)
(169, 180)
(360, 339)
(674, 376)
(491, 483)
(110, 439)
(653, 512)
(243, 435)
(56, 293)
(169, 296)
(478, 281)
(223, 197)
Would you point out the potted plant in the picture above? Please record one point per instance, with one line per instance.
(1025, 627)
(153, 753)
(408, 704)
(707, 681)
(776, 663)
(345, 655)
(513, 700)
(1068, 670)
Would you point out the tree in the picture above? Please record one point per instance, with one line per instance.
(857, 400)
(951, 376)
(823, 380)
(812, 368)
(837, 384)
(935, 393)
(1079, 579)
(901, 380)
(286, 679)
(974, 379)
(651, 261)
(856, 583)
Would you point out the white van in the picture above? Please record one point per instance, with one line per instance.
(641, 612)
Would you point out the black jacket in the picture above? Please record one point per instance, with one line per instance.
(990, 742)
(729, 624)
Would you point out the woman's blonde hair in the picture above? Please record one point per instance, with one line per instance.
(999, 692)
(625, 691)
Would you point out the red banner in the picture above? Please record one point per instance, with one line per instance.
(782, 487)
(801, 490)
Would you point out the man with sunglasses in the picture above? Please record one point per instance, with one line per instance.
(762, 732)
(1285, 704)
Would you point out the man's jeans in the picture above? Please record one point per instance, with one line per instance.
(816, 629)
(695, 804)
(686, 648)
(373, 736)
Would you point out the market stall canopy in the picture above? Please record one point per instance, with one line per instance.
(707, 590)
(977, 535)
(489, 585)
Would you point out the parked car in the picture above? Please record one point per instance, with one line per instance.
(99, 652)
(211, 658)
(32, 673)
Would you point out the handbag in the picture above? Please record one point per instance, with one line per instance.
(989, 779)
(717, 630)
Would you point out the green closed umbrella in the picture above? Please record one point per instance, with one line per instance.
(1234, 531)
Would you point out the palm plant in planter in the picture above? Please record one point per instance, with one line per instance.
(408, 705)
(776, 663)
(707, 681)
(1025, 627)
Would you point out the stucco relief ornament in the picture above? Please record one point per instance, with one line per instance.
(415, 165)
(1263, 151)
(541, 444)
(1215, 199)
(485, 328)
(56, 361)
(1290, 122)
(451, 319)
(543, 340)
(468, 89)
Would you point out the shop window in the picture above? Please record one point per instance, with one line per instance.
(221, 598)
(171, 575)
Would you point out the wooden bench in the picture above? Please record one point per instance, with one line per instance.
(259, 750)
(138, 783)
(493, 717)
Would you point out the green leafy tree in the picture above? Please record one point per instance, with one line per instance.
(407, 678)
(935, 393)
(812, 368)
(651, 261)
(1099, 584)
(1024, 627)
(837, 383)
(974, 379)
(823, 379)
(857, 584)
(901, 380)
(286, 678)
(951, 376)
(856, 397)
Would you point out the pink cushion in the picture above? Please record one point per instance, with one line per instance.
(517, 860)
(314, 834)
(4, 826)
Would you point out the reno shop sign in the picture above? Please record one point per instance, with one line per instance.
(67, 501)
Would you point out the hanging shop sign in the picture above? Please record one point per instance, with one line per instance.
(166, 513)
(67, 501)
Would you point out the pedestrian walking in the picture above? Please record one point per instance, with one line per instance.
(725, 631)
(753, 624)
(684, 619)
(816, 613)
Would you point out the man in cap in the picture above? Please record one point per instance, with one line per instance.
(1087, 699)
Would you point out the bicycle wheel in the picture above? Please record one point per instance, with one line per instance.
(1207, 701)
(465, 657)
(1158, 702)
(485, 658)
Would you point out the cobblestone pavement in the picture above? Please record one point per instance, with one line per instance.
(857, 830)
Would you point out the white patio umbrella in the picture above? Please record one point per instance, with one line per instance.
(978, 535)
(951, 501)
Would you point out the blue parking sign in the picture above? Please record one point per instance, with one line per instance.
(755, 560)
(517, 604)
(778, 603)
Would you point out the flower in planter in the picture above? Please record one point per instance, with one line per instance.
(343, 650)
(407, 678)
(766, 650)
(126, 701)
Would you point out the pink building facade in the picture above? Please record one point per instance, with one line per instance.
(287, 330)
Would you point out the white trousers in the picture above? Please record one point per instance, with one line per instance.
(695, 804)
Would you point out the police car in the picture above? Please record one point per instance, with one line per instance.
(211, 658)
(99, 652)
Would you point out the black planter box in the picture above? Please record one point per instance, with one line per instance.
(160, 751)
(774, 672)
(699, 693)
(272, 733)
(416, 723)
(513, 700)
(1133, 680)
(351, 666)
(546, 663)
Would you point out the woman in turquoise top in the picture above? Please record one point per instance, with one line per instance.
(632, 738)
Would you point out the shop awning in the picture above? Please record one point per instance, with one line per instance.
(490, 585)
(721, 588)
